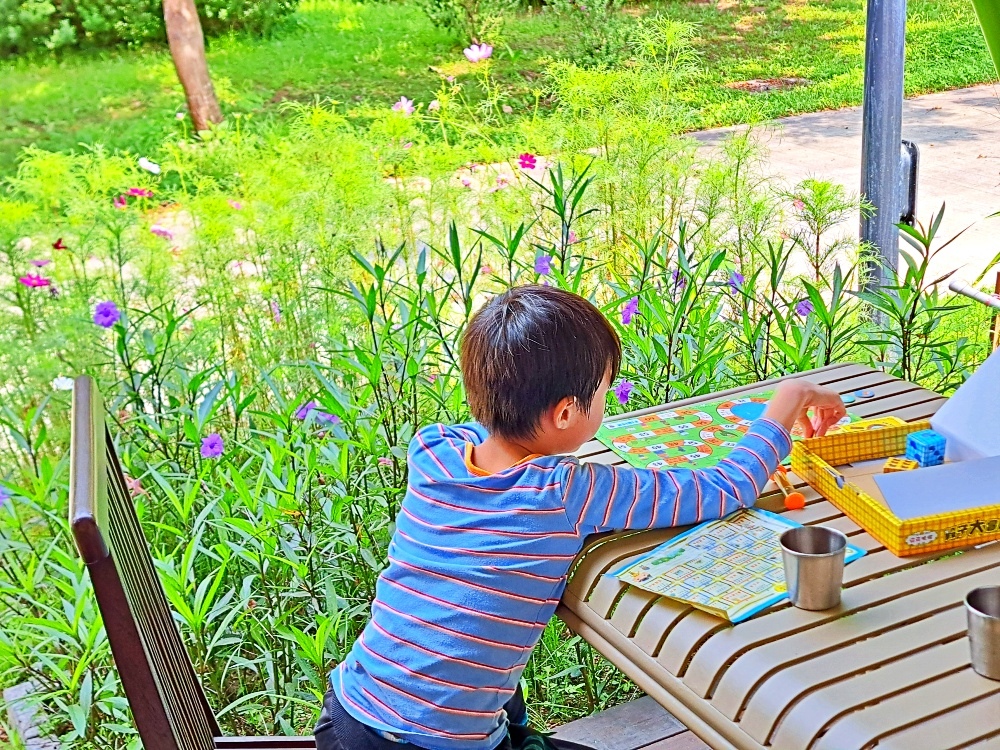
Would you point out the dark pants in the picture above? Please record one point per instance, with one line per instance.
(338, 730)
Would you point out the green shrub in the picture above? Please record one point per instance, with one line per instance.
(27, 25)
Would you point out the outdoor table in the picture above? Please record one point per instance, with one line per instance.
(889, 667)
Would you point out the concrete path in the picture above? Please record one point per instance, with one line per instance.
(958, 133)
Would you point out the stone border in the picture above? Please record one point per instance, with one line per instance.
(26, 719)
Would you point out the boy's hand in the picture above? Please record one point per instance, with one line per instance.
(794, 398)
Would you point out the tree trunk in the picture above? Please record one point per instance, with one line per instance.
(187, 47)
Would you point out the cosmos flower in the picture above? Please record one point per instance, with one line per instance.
(235, 205)
(527, 161)
(121, 202)
(161, 231)
(39, 263)
(478, 52)
(404, 105)
(211, 446)
(434, 106)
(58, 245)
(34, 280)
(140, 192)
(106, 314)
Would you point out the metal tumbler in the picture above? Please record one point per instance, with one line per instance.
(982, 606)
(814, 566)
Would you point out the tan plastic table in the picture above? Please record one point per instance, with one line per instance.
(889, 668)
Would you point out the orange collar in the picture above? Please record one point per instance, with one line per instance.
(477, 472)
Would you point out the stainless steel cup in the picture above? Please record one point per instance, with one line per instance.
(814, 566)
(982, 606)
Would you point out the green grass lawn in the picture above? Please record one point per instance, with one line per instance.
(375, 53)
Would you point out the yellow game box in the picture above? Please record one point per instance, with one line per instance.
(848, 487)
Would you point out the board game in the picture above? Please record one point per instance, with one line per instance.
(730, 567)
(690, 437)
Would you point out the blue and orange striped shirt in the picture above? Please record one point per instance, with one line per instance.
(479, 561)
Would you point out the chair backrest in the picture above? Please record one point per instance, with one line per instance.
(169, 706)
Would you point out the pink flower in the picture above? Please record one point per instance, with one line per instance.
(384, 461)
(527, 161)
(160, 231)
(434, 106)
(467, 182)
(34, 280)
(235, 205)
(407, 146)
(135, 487)
(478, 52)
(507, 109)
(798, 204)
(432, 378)
(487, 270)
(121, 202)
(39, 263)
(140, 192)
(275, 311)
(502, 181)
(572, 239)
(58, 245)
(404, 105)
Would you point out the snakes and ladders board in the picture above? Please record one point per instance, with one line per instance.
(690, 437)
(730, 567)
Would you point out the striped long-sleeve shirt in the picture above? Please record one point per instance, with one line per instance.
(479, 561)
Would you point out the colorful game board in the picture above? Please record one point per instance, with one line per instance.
(690, 437)
(730, 567)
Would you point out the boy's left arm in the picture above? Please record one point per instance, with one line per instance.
(601, 497)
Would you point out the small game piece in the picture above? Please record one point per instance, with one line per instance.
(899, 464)
(926, 448)
(794, 500)
(847, 398)
(865, 393)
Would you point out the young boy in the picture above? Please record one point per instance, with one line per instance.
(494, 514)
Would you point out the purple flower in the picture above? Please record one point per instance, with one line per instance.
(543, 265)
(140, 192)
(680, 281)
(34, 280)
(404, 105)
(804, 308)
(623, 390)
(736, 280)
(106, 314)
(211, 446)
(309, 407)
(235, 205)
(527, 161)
(121, 202)
(275, 311)
(161, 231)
(39, 263)
(4, 496)
(478, 52)
(630, 310)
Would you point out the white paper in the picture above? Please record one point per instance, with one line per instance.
(942, 489)
(970, 419)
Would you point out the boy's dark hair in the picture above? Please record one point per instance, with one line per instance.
(530, 347)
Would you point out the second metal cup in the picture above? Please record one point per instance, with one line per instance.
(983, 608)
(814, 566)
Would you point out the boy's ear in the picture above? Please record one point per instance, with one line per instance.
(563, 413)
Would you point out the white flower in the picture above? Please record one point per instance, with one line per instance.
(149, 166)
(62, 383)
(434, 106)
(179, 115)
(24, 244)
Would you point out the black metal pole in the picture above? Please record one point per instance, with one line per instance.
(881, 133)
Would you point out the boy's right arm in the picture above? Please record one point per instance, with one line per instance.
(601, 497)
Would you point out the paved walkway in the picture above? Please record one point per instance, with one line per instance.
(958, 133)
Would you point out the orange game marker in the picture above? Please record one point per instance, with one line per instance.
(794, 500)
